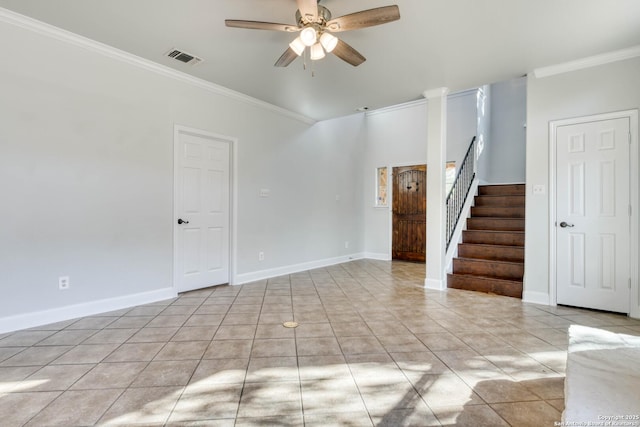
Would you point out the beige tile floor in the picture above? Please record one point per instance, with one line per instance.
(373, 347)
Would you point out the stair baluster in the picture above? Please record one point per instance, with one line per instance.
(460, 189)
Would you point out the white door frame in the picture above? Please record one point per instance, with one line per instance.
(632, 115)
(233, 191)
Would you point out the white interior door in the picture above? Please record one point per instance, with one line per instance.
(593, 214)
(202, 208)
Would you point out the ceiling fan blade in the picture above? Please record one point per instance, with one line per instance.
(364, 18)
(287, 58)
(308, 9)
(259, 25)
(348, 54)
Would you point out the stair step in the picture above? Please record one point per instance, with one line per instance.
(491, 259)
(492, 252)
(499, 212)
(488, 237)
(496, 224)
(507, 189)
(489, 268)
(510, 288)
(499, 201)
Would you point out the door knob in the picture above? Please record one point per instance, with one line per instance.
(565, 225)
(181, 221)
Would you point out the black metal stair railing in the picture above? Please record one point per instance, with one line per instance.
(460, 189)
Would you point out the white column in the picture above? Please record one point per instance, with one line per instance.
(436, 209)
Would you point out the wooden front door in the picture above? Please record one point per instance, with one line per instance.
(409, 213)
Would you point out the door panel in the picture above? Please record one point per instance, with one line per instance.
(592, 202)
(214, 248)
(203, 202)
(409, 213)
(576, 257)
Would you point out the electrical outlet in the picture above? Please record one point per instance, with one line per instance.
(63, 283)
(260, 256)
(346, 244)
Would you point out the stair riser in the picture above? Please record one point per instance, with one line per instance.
(500, 201)
(497, 212)
(490, 238)
(498, 253)
(510, 289)
(491, 259)
(495, 224)
(487, 268)
(502, 190)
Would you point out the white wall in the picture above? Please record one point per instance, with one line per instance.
(397, 136)
(316, 198)
(607, 88)
(86, 177)
(462, 118)
(506, 147)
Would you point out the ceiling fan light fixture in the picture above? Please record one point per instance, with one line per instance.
(317, 52)
(328, 41)
(308, 36)
(316, 28)
(297, 46)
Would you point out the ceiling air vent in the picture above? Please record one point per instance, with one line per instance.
(182, 56)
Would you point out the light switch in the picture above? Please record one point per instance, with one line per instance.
(265, 192)
(538, 189)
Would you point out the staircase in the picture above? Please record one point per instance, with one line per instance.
(491, 257)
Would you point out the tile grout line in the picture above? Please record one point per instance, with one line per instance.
(246, 373)
(184, 388)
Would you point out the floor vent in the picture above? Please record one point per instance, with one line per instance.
(185, 57)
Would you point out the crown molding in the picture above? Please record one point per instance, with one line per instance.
(422, 101)
(588, 62)
(396, 107)
(467, 92)
(436, 93)
(77, 40)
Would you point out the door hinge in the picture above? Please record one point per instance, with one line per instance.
(629, 283)
(629, 137)
(629, 210)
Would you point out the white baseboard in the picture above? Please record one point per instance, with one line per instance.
(535, 297)
(294, 268)
(44, 317)
(377, 256)
(435, 284)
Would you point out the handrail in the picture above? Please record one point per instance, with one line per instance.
(460, 189)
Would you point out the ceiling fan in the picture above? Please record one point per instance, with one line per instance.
(315, 26)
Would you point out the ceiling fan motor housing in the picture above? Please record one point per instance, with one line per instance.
(324, 16)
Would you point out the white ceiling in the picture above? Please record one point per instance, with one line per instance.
(459, 44)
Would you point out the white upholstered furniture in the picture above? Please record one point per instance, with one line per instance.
(603, 378)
